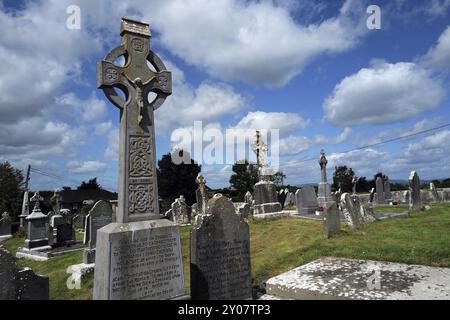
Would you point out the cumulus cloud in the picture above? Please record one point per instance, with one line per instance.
(86, 166)
(89, 109)
(438, 57)
(292, 145)
(385, 93)
(112, 149)
(284, 121)
(253, 42)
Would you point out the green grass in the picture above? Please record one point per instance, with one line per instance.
(390, 209)
(277, 246)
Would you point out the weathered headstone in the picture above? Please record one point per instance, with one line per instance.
(282, 195)
(331, 220)
(37, 234)
(201, 194)
(379, 185)
(21, 284)
(434, 193)
(352, 210)
(324, 190)
(306, 200)
(248, 198)
(180, 214)
(354, 184)
(372, 195)
(99, 216)
(415, 202)
(387, 189)
(138, 256)
(220, 254)
(5, 226)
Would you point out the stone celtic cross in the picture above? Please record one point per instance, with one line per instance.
(138, 189)
(36, 198)
(323, 166)
(260, 149)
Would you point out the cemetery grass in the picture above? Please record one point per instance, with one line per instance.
(390, 209)
(278, 246)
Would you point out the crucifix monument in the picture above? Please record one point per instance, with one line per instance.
(324, 191)
(139, 255)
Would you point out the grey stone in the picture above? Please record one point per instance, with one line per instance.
(21, 284)
(244, 210)
(138, 256)
(331, 220)
(138, 260)
(379, 184)
(65, 234)
(415, 202)
(180, 214)
(220, 254)
(426, 196)
(78, 221)
(201, 194)
(248, 198)
(56, 201)
(37, 234)
(434, 193)
(266, 198)
(387, 189)
(5, 226)
(352, 210)
(306, 200)
(282, 195)
(25, 209)
(338, 278)
(99, 216)
(324, 189)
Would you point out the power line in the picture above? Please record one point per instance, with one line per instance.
(387, 141)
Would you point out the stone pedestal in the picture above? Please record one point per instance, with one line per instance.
(37, 235)
(266, 198)
(324, 193)
(138, 260)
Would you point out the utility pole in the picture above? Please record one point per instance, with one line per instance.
(28, 177)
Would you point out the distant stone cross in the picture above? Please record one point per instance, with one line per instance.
(201, 181)
(138, 189)
(259, 148)
(36, 198)
(323, 166)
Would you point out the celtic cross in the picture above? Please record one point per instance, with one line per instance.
(138, 189)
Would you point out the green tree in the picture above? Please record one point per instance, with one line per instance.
(11, 193)
(177, 179)
(362, 185)
(278, 178)
(244, 178)
(343, 177)
(92, 184)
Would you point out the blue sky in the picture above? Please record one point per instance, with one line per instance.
(313, 70)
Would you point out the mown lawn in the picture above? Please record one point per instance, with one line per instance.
(277, 246)
(390, 209)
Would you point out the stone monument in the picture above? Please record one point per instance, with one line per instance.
(387, 189)
(415, 202)
(5, 226)
(220, 254)
(201, 194)
(265, 195)
(354, 183)
(434, 193)
(139, 255)
(25, 209)
(324, 191)
(37, 233)
(379, 186)
(331, 220)
(306, 200)
(180, 214)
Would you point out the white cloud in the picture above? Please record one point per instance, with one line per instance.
(86, 166)
(103, 127)
(112, 149)
(343, 136)
(294, 145)
(90, 109)
(260, 120)
(253, 42)
(385, 93)
(438, 57)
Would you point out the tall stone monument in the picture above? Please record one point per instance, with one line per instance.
(354, 184)
(220, 254)
(37, 223)
(324, 191)
(387, 189)
(201, 194)
(415, 202)
(379, 186)
(265, 195)
(139, 255)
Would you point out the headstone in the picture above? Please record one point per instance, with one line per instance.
(306, 200)
(415, 202)
(99, 216)
(354, 184)
(37, 234)
(138, 256)
(21, 284)
(434, 193)
(243, 210)
(324, 189)
(180, 214)
(387, 189)
(201, 194)
(220, 254)
(5, 226)
(352, 210)
(379, 184)
(248, 198)
(266, 198)
(331, 220)
(287, 201)
(282, 195)
(367, 213)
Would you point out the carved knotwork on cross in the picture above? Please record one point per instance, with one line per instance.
(36, 198)
(260, 149)
(138, 192)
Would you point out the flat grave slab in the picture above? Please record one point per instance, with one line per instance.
(338, 278)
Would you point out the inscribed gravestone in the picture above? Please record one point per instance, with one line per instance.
(415, 202)
(379, 185)
(331, 220)
(306, 200)
(220, 254)
(99, 216)
(138, 256)
(5, 226)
